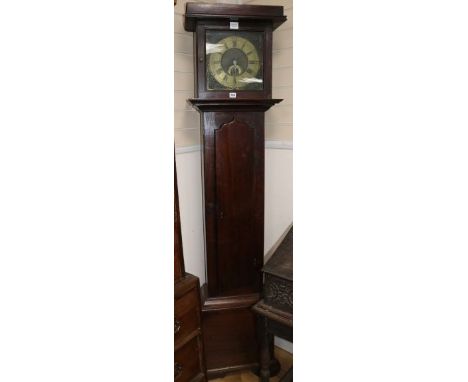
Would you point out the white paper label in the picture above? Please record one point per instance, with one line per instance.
(232, 95)
(234, 25)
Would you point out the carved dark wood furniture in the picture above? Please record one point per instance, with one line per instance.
(189, 361)
(275, 310)
(232, 43)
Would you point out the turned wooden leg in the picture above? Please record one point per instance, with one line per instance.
(265, 349)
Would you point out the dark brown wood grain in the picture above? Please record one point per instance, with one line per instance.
(230, 334)
(188, 340)
(203, 105)
(186, 315)
(230, 302)
(234, 201)
(186, 362)
(238, 173)
(222, 13)
(179, 268)
(230, 339)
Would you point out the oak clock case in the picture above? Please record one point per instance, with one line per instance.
(233, 82)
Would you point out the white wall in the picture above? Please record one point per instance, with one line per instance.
(278, 191)
(188, 162)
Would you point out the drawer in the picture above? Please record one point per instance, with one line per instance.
(186, 314)
(187, 364)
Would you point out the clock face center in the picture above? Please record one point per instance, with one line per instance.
(234, 62)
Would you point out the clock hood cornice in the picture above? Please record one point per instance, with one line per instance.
(195, 12)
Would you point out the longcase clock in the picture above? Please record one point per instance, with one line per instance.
(233, 82)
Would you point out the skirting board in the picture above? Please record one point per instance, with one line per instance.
(283, 344)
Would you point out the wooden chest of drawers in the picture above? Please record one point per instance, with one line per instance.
(189, 364)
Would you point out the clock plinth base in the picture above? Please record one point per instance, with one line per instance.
(229, 333)
(254, 368)
(230, 336)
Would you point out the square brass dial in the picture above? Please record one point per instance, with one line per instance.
(234, 60)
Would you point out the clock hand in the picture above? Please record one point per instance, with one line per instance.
(235, 71)
(236, 67)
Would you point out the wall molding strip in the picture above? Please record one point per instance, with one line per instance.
(274, 145)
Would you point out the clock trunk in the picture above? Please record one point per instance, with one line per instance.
(233, 156)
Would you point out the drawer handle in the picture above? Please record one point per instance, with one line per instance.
(177, 325)
(177, 369)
